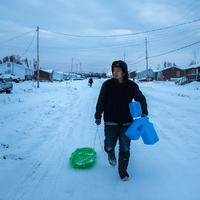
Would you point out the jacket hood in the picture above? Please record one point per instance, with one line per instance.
(123, 65)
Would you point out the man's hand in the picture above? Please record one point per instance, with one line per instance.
(98, 121)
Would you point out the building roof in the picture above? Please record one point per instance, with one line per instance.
(191, 66)
(22, 66)
(160, 70)
(50, 71)
(137, 72)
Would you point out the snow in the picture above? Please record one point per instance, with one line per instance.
(41, 127)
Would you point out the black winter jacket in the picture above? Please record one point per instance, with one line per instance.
(114, 99)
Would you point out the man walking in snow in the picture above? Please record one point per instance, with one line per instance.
(114, 98)
(90, 82)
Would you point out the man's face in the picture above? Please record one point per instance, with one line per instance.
(118, 73)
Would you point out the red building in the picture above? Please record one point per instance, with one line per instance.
(168, 74)
(45, 75)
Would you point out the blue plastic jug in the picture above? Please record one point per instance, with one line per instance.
(150, 136)
(137, 128)
(135, 109)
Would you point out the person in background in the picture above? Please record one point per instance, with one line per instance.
(113, 101)
(90, 82)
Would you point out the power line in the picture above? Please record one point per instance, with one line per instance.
(29, 44)
(194, 29)
(15, 37)
(136, 60)
(175, 50)
(139, 61)
(167, 52)
(125, 44)
(142, 32)
(162, 53)
(185, 12)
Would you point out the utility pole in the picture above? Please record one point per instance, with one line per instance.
(38, 71)
(195, 57)
(72, 65)
(146, 59)
(124, 56)
(80, 68)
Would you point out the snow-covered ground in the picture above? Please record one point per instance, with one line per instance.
(41, 127)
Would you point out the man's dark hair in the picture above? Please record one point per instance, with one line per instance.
(123, 65)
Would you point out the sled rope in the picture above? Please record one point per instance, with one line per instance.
(98, 134)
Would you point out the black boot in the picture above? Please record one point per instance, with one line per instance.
(123, 164)
(111, 157)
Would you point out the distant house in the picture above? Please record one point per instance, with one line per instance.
(168, 74)
(143, 74)
(45, 74)
(58, 76)
(191, 72)
(109, 74)
(21, 71)
(132, 74)
(66, 76)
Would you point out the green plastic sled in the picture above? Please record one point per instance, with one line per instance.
(83, 157)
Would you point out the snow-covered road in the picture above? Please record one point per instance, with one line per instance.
(40, 128)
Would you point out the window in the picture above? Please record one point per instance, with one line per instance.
(178, 73)
(193, 71)
(8, 65)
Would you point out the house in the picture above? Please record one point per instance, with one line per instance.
(109, 74)
(168, 74)
(143, 74)
(21, 71)
(72, 76)
(192, 71)
(45, 74)
(66, 76)
(132, 75)
(58, 76)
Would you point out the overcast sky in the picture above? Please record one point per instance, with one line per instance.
(94, 33)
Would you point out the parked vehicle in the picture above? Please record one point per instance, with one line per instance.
(181, 81)
(5, 86)
(10, 78)
(145, 80)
